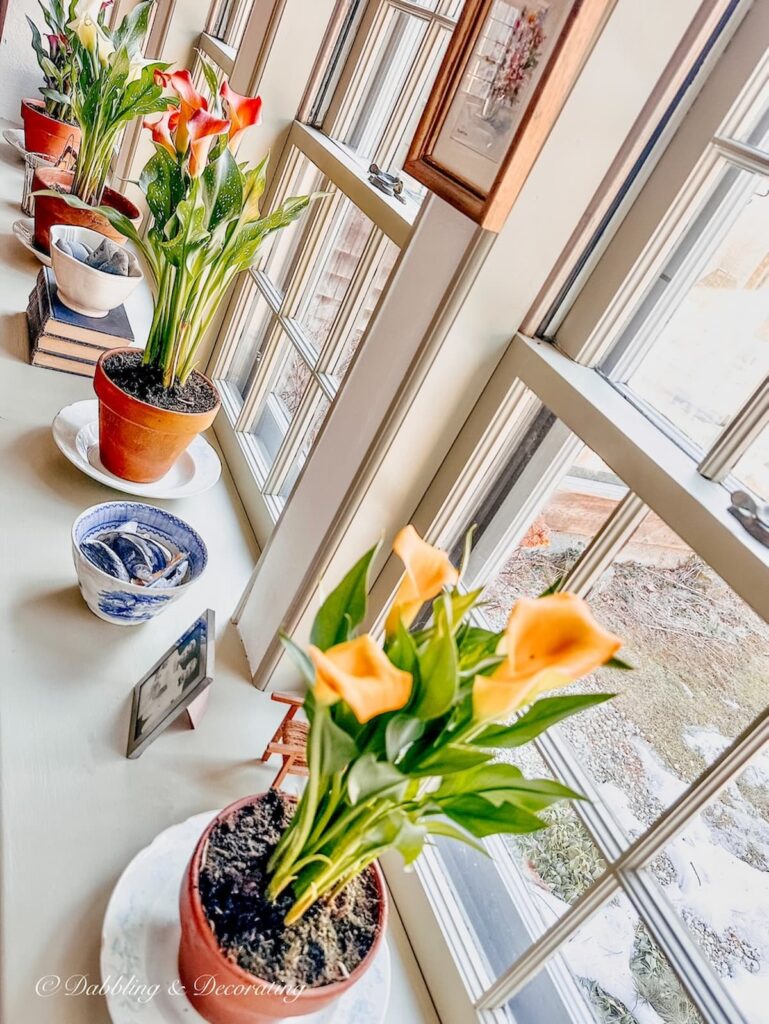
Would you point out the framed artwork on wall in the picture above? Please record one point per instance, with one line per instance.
(506, 75)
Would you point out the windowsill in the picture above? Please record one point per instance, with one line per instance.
(74, 809)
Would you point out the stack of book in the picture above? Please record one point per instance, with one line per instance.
(61, 339)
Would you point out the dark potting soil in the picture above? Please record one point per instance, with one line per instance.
(322, 947)
(127, 370)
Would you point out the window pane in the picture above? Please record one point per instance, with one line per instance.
(716, 875)
(701, 661)
(580, 505)
(289, 383)
(752, 470)
(397, 45)
(711, 349)
(340, 357)
(316, 423)
(279, 253)
(337, 263)
(610, 971)
(250, 343)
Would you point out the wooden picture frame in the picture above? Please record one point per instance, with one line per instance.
(174, 683)
(506, 75)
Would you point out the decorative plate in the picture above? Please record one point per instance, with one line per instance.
(24, 229)
(76, 433)
(15, 137)
(140, 944)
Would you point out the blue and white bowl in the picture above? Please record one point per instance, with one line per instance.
(129, 604)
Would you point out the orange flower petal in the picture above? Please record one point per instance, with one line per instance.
(428, 571)
(549, 642)
(360, 673)
(243, 112)
(203, 128)
(162, 129)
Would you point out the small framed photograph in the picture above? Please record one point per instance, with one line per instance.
(181, 676)
(506, 75)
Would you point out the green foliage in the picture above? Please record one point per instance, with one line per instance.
(55, 57)
(418, 764)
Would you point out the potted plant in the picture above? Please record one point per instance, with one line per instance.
(111, 85)
(282, 908)
(49, 126)
(206, 227)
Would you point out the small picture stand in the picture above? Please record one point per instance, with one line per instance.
(176, 684)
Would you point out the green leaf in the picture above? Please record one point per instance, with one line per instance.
(133, 28)
(438, 673)
(402, 650)
(554, 587)
(476, 646)
(369, 777)
(620, 664)
(222, 190)
(541, 716)
(345, 606)
(505, 783)
(162, 183)
(481, 818)
(401, 731)
(212, 81)
(337, 748)
(299, 658)
(439, 827)
(461, 605)
(449, 759)
(398, 831)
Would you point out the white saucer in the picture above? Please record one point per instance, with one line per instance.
(76, 433)
(24, 229)
(15, 137)
(140, 944)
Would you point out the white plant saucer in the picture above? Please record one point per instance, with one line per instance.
(24, 230)
(15, 138)
(76, 433)
(140, 944)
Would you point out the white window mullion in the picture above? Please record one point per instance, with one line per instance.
(599, 555)
(269, 360)
(738, 435)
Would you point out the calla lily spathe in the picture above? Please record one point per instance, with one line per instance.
(361, 674)
(191, 102)
(162, 127)
(202, 129)
(243, 111)
(549, 642)
(428, 571)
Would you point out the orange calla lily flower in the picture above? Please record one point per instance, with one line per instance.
(191, 102)
(243, 112)
(549, 642)
(361, 674)
(428, 571)
(202, 128)
(162, 129)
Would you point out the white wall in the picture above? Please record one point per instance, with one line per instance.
(19, 73)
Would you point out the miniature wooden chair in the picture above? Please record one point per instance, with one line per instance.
(289, 741)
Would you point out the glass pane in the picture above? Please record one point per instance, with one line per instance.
(716, 875)
(342, 356)
(316, 423)
(712, 349)
(752, 470)
(610, 971)
(280, 251)
(337, 263)
(559, 863)
(289, 383)
(701, 661)
(580, 505)
(248, 350)
(398, 45)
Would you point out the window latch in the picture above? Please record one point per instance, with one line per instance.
(753, 517)
(390, 184)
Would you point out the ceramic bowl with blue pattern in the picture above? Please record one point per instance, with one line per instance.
(128, 603)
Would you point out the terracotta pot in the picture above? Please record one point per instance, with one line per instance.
(50, 210)
(44, 134)
(139, 441)
(201, 959)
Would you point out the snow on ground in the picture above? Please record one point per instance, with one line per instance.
(710, 884)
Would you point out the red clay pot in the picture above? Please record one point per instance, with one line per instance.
(44, 134)
(138, 441)
(50, 210)
(200, 958)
